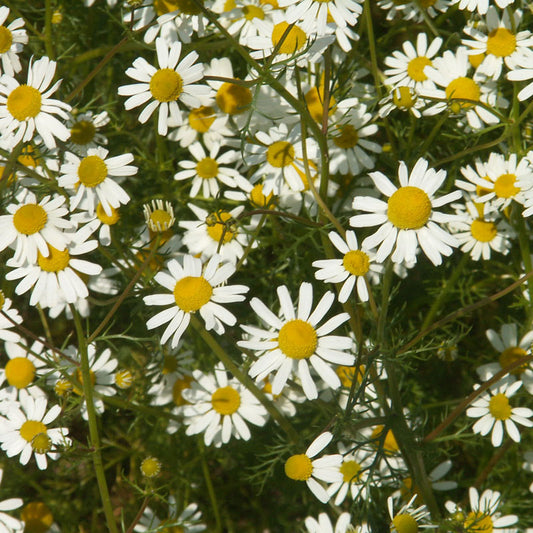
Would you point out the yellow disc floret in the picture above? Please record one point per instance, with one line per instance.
(29, 219)
(20, 372)
(403, 97)
(202, 118)
(220, 228)
(226, 400)
(37, 517)
(298, 467)
(501, 42)
(251, 12)
(41, 443)
(104, 217)
(463, 88)
(6, 39)
(504, 186)
(24, 102)
(478, 522)
(314, 98)
(82, 132)
(351, 471)
(348, 137)
(166, 85)
(404, 523)
(415, 68)
(233, 99)
(499, 407)
(191, 293)
(356, 262)
(30, 429)
(293, 41)
(150, 467)
(409, 208)
(207, 168)
(280, 154)
(297, 339)
(510, 355)
(92, 171)
(56, 261)
(483, 230)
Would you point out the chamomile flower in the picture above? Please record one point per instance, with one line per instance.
(481, 6)
(9, 524)
(12, 39)
(194, 288)
(403, 98)
(352, 269)
(91, 178)
(522, 70)
(25, 431)
(165, 86)
(188, 521)
(303, 467)
(159, 215)
(494, 411)
(408, 519)
(31, 227)
(9, 318)
(27, 108)
(295, 341)
(408, 219)
(220, 407)
(84, 130)
(324, 525)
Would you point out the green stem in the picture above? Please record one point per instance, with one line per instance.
(210, 489)
(523, 241)
(48, 38)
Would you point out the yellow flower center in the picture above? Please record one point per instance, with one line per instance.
(28, 157)
(233, 99)
(37, 517)
(390, 446)
(351, 471)
(427, 3)
(259, 199)
(482, 230)
(280, 154)
(347, 138)
(298, 467)
(202, 118)
(92, 171)
(24, 102)
(150, 467)
(82, 132)
(6, 39)
(347, 373)
(409, 208)
(41, 443)
(504, 186)
(225, 400)
(403, 97)
(56, 261)
(20, 372)
(294, 40)
(253, 12)
(501, 42)
(314, 98)
(62, 387)
(297, 339)
(356, 262)
(2, 299)
(463, 88)
(166, 85)
(404, 523)
(191, 293)
(478, 522)
(170, 529)
(30, 429)
(476, 59)
(510, 355)
(160, 220)
(123, 379)
(415, 68)
(29, 219)
(79, 376)
(170, 365)
(218, 229)
(104, 217)
(499, 407)
(187, 7)
(179, 386)
(207, 168)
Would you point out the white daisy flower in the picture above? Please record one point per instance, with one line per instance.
(91, 178)
(294, 341)
(28, 107)
(403, 98)
(84, 130)
(31, 227)
(408, 519)
(25, 431)
(165, 86)
(324, 525)
(303, 467)
(522, 70)
(481, 6)
(194, 288)
(352, 269)
(99, 219)
(12, 39)
(494, 411)
(188, 521)
(8, 524)
(9, 317)
(220, 408)
(408, 219)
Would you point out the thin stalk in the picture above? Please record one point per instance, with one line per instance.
(523, 241)
(429, 141)
(211, 490)
(48, 38)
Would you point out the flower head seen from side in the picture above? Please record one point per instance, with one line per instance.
(408, 219)
(295, 342)
(220, 408)
(174, 81)
(324, 525)
(27, 108)
(495, 412)
(194, 287)
(304, 467)
(12, 38)
(84, 131)
(408, 519)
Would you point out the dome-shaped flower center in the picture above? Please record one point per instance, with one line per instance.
(29, 219)
(2, 299)
(404, 523)
(347, 373)
(253, 12)
(501, 42)
(476, 59)
(280, 154)
(356, 262)
(179, 386)
(427, 3)
(201, 118)
(123, 379)
(170, 529)
(258, 198)
(30, 428)
(82, 132)
(403, 97)
(41, 443)
(170, 365)
(191, 293)
(298, 467)
(160, 220)
(62, 387)
(225, 400)
(499, 407)
(478, 522)
(233, 99)
(409, 208)
(390, 446)
(314, 98)
(218, 229)
(92, 171)
(150, 467)
(56, 261)
(207, 168)
(463, 88)
(347, 138)
(162, 7)
(104, 217)
(297, 339)
(6, 39)
(415, 68)
(24, 102)
(351, 471)
(482, 230)
(293, 41)
(20, 372)
(510, 355)
(504, 186)
(166, 85)
(37, 517)
(28, 158)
